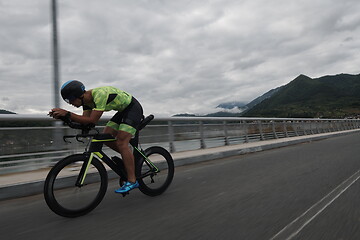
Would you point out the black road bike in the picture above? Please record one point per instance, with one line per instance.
(78, 183)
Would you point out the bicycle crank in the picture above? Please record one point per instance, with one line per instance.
(124, 194)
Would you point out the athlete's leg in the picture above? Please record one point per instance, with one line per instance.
(122, 142)
(113, 132)
(121, 145)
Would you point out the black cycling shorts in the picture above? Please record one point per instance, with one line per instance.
(129, 119)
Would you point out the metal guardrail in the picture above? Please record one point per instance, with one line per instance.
(29, 148)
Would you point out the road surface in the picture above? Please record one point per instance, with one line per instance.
(307, 191)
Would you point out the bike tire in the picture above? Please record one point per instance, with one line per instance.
(68, 200)
(154, 183)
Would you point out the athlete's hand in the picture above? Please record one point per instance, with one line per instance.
(57, 113)
(51, 113)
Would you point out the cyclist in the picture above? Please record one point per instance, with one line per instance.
(122, 125)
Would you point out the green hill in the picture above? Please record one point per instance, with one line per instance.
(326, 97)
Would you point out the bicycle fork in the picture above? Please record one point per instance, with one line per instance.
(85, 168)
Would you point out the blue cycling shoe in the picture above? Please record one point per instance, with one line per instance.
(128, 186)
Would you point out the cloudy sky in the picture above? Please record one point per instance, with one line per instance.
(181, 56)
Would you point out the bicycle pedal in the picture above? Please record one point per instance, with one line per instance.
(124, 194)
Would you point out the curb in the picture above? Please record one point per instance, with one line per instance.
(36, 187)
(243, 149)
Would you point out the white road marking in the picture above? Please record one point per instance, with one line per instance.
(293, 228)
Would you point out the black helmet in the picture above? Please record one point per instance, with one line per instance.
(71, 90)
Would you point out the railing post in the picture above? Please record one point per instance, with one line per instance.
(331, 126)
(226, 138)
(295, 127)
(317, 126)
(261, 131)
(245, 131)
(171, 137)
(285, 129)
(321, 124)
(304, 127)
(334, 126)
(202, 138)
(328, 126)
(311, 128)
(274, 129)
(339, 125)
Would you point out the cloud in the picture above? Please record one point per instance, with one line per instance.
(174, 56)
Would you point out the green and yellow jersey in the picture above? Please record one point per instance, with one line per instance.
(109, 98)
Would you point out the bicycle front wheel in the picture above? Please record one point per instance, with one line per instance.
(156, 172)
(65, 196)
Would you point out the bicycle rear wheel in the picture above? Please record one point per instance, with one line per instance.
(154, 180)
(65, 198)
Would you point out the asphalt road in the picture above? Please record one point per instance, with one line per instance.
(307, 191)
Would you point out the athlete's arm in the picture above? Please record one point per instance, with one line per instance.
(87, 117)
(87, 113)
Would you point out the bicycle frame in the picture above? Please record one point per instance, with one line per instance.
(95, 149)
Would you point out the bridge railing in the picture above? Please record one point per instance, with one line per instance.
(26, 146)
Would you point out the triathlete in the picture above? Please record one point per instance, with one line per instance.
(122, 125)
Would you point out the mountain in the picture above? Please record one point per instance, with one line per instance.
(216, 114)
(237, 109)
(335, 96)
(231, 105)
(2, 111)
(184, 115)
(223, 114)
(262, 97)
